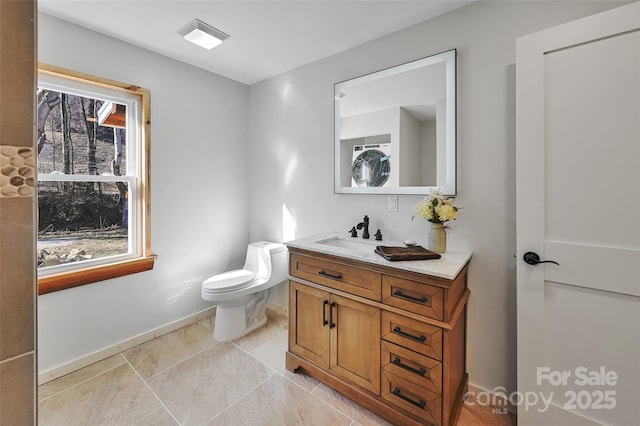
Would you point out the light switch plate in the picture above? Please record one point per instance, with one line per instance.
(393, 203)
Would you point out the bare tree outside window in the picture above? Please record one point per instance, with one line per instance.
(79, 220)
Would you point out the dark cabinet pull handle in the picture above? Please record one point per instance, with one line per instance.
(331, 323)
(399, 363)
(411, 298)
(397, 393)
(324, 312)
(531, 258)
(420, 339)
(326, 274)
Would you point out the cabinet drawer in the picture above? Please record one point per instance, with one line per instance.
(336, 275)
(413, 296)
(415, 335)
(412, 398)
(411, 366)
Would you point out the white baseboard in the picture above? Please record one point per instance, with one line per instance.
(76, 364)
(491, 397)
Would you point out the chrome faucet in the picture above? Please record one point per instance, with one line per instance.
(364, 224)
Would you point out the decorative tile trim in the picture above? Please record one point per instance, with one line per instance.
(17, 171)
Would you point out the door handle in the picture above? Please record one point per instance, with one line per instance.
(420, 372)
(326, 274)
(398, 330)
(531, 258)
(324, 312)
(421, 403)
(331, 323)
(399, 293)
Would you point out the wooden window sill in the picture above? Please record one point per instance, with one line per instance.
(62, 281)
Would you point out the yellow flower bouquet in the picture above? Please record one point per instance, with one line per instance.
(436, 208)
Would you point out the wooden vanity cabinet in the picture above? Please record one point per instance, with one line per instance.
(339, 334)
(391, 340)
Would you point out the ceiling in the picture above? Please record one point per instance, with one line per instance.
(266, 37)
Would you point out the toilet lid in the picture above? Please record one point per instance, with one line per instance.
(228, 281)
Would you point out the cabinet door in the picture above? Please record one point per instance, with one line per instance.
(309, 323)
(355, 343)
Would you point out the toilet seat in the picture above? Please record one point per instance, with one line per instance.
(228, 281)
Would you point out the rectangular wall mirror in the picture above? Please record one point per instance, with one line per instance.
(395, 129)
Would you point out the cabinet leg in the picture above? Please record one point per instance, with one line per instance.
(291, 363)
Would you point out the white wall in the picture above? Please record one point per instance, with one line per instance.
(291, 139)
(409, 144)
(441, 141)
(369, 124)
(199, 195)
(428, 152)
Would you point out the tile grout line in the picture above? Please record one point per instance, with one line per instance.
(152, 392)
(181, 361)
(212, 344)
(85, 380)
(215, 343)
(284, 377)
(246, 394)
(265, 343)
(206, 326)
(298, 384)
(187, 358)
(331, 406)
(273, 372)
(276, 371)
(353, 421)
(257, 359)
(295, 384)
(126, 361)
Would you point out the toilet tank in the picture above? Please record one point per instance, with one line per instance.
(268, 260)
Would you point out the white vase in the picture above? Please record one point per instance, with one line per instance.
(437, 238)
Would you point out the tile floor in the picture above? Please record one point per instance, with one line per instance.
(186, 378)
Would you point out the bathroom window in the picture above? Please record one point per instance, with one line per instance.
(92, 178)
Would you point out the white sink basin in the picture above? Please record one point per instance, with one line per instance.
(350, 244)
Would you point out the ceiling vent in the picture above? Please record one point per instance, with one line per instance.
(202, 34)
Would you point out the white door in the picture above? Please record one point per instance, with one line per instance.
(578, 203)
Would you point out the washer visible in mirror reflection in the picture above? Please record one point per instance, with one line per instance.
(371, 168)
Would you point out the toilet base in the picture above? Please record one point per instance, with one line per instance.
(236, 320)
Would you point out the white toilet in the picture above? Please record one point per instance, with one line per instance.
(241, 295)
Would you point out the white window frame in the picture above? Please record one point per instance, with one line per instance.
(139, 256)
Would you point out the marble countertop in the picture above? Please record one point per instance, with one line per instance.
(448, 266)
